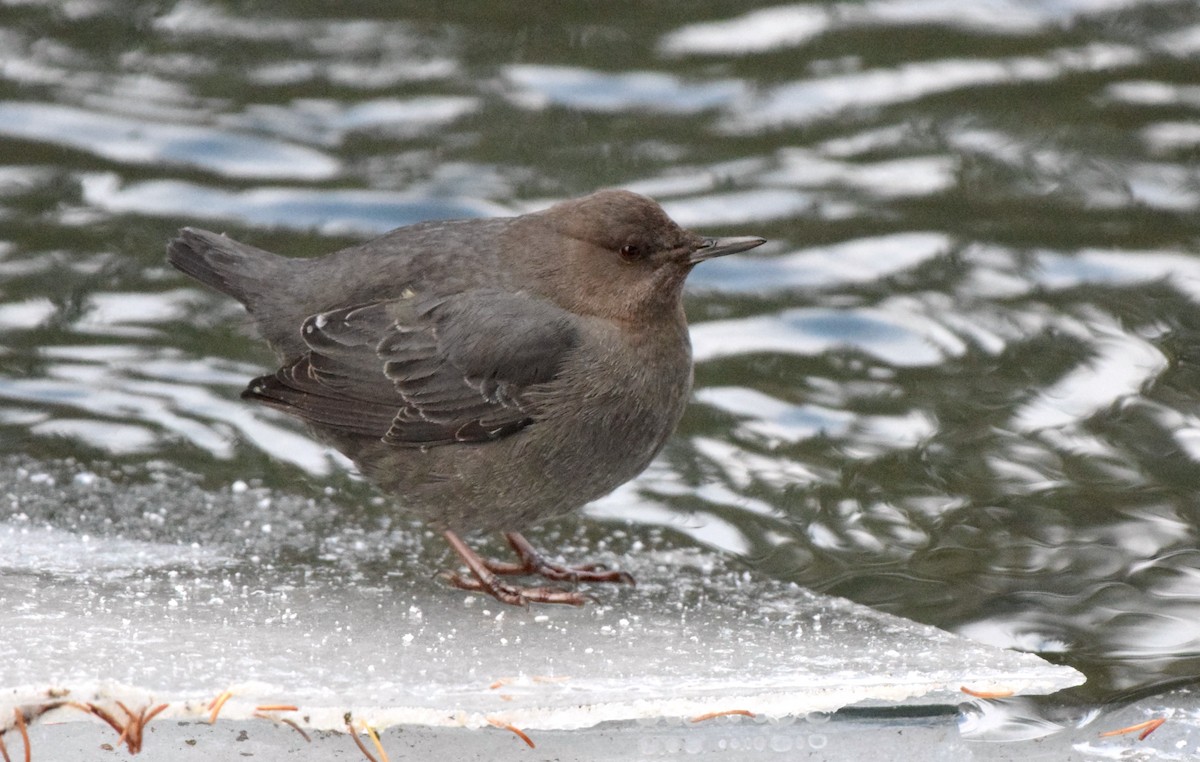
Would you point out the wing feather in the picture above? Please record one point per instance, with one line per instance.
(423, 373)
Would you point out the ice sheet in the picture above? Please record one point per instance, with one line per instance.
(146, 588)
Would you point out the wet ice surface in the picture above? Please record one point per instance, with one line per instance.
(139, 585)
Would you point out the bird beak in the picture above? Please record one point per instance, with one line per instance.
(719, 247)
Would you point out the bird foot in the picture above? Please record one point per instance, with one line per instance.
(516, 596)
(485, 573)
(534, 563)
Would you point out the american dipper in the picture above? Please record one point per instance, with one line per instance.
(490, 373)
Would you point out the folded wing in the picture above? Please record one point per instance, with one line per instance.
(417, 372)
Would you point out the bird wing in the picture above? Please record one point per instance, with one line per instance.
(424, 372)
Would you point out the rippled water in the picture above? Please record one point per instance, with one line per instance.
(961, 383)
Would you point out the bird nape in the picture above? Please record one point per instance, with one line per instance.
(490, 374)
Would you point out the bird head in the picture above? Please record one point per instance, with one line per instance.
(617, 255)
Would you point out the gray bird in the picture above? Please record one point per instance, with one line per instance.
(492, 373)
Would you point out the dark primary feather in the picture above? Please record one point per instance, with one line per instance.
(419, 372)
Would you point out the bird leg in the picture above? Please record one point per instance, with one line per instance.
(485, 573)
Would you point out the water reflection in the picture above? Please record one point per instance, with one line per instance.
(895, 336)
(541, 86)
(790, 26)
(860, 260)
(1017, 720)
(330, 211)
(136, 141)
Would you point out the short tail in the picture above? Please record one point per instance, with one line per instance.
(244, 272)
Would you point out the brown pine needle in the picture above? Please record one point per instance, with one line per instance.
(4, 749)
(126, 737)
(1151, 727)
(129, 733)
(24, 733)
(216, 704)
(292, 724)
(96, 711)
(986, 694)
(143, 719)
(131, 736)
(714, 715)
(514, 730)
(127, 711)
(277, 708)
(1147, 727)
(503, 681)
(357, 742)
(155, 712)
(375, 740)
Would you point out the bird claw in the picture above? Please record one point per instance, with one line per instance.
(484, 574)
(530, 561)
(575, 574)
(516, 596)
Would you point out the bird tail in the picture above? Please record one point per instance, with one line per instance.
(241, 271)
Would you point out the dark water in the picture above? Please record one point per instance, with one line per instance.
(960, 384)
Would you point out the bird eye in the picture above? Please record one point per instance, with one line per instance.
(629, 252)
